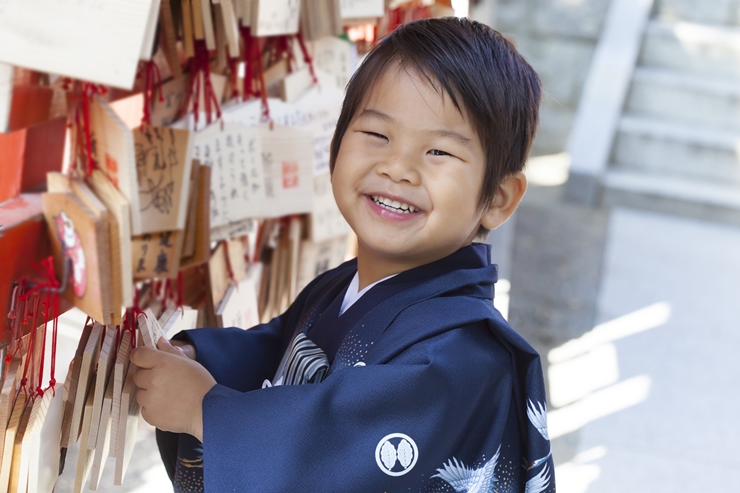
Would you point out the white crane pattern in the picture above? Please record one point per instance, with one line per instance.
(465, 479)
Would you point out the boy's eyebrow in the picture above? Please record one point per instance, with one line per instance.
(461, 139)
(377, 114)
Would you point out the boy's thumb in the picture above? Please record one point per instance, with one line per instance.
(164, 345)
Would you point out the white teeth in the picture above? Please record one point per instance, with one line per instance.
(393, 204)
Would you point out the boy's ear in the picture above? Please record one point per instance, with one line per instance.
(505, 201)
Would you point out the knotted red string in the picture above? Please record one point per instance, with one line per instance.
(49, 283)
(88, 92)
(17, 332)
(248, 90)
(263, 89)
(234, 73)
(229, 268)
(152, 83)
(307, 57)
(200, 65)
(12, 316)
(31, 349)
(129, 324)
(281, 49)
(169, 293)
(54, 337)
(52, 302)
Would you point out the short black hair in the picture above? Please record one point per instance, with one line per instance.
(484, 76)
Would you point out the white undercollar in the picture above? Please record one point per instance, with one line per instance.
(352, 295)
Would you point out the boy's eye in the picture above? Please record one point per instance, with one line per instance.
(374, 134)
(437, 152)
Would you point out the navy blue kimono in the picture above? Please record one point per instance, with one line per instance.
(428, 389)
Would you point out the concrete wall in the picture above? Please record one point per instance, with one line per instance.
(558, 38)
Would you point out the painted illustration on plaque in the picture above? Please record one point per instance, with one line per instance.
(72, 249)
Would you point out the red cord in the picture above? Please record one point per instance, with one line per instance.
(228, 262)
(88, 91)
(234, 72)
(152, 82)
(249, 60)
(307, 57)
(263, 89)
(54, 337)
(200, 65)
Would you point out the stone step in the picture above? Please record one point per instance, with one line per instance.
(677, 150)
(694, 48)
(685, 98)
(672, 195)
(718, 12)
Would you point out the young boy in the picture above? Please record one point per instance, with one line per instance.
(392, 372)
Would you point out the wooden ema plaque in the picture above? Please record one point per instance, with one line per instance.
(120, 371)
(128, 425)
(41, 441)
(84, 382)
(80, 235)
(106, 358)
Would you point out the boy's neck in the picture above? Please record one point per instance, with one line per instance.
(371, 267)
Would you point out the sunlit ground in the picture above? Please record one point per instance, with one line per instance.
(647, 393)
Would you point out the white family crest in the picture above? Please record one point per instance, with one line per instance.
(396, 454)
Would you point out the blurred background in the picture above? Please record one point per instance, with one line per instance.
(624, 258)
(622, 264)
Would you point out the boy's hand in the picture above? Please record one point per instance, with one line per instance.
(186, 348)
(171, 388)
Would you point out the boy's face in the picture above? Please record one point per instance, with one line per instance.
(409, 171)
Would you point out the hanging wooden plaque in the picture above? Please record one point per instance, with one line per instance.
(106, 359)
(128, 425)
(43, 436)
(80, 235)
(73, 383)
(85, 456)
(119, 376)
(84, 382)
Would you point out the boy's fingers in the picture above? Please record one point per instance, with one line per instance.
(143, 357)
(165, 346)
(142, 379)
(141, 397)
(186, 348)
(145, 415)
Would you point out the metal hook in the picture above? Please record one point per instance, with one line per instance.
(65, 279)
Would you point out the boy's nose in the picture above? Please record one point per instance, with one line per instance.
(400, 167)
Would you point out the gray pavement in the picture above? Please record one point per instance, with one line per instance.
(636, 316)
(667, 417)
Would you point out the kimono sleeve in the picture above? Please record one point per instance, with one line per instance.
(243, 359)
(441, 396)
(240, 359)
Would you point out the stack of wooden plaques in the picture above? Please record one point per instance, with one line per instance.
(100, 411)
(30, 420)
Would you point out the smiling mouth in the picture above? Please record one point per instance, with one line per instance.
(394, 205)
